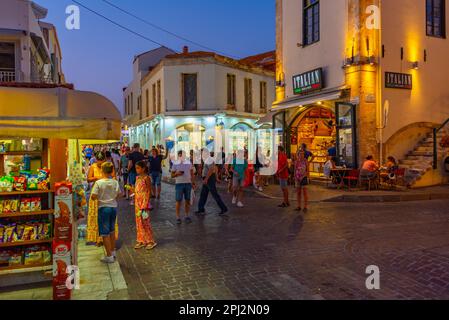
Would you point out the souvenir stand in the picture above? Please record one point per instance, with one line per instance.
(37, 211)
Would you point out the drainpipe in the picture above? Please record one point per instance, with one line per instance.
(382, 119)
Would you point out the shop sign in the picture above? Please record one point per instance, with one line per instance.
(395, 80)
(308, 82)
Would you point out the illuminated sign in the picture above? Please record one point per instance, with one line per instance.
(398, 80)
(308, 82)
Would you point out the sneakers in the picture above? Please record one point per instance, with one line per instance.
(178, 221)
(260, 189)
(114, 254)
(188, 220)
(240, 204)
(234, 200)
(108, 260)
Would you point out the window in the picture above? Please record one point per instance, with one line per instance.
(126, 106)
(129, 106)
(132, 103)
(436, 18)
(7, 62)
(248, 95)
(189, 92)
(154, 99)
(263, 97)
(159, 97)
(147, 102)
(231, 90)
(311, 19)
(139, 106)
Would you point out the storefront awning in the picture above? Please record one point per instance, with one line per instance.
(57, 113)
(298, 101)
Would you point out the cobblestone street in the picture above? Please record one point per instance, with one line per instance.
(262, 252)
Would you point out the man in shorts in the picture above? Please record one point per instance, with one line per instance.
(182, 171)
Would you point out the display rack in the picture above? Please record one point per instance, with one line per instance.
(47, 197)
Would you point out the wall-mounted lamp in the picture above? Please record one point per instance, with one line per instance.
(415, 65)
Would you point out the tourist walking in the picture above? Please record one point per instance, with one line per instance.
(239, 167)
(182, 171)
(135, 156)
(106, 191)
(95, 174)
(142, 191)
(210, 177)
(124, 169)
(302, 179)
(283, 174)
(155, 164)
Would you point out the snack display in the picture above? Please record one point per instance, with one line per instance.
(25, 180)
(27, 231)
(28, 256)
(11, 206)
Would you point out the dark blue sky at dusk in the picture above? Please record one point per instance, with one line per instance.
(98, 57)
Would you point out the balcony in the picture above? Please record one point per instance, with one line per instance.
(7, 75)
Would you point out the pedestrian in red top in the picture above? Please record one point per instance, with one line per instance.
(282, 174)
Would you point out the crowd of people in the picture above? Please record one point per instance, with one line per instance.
(136, 175)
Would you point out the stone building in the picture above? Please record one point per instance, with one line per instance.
(366, 76)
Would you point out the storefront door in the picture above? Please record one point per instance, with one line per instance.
(346, 135)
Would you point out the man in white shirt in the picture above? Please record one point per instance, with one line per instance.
(182, 171)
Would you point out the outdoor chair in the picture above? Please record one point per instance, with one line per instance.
(369, 179)
(351, 177)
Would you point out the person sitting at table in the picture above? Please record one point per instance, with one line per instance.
(329, 166)
(370, 167)
(391, 165)
(389, 169)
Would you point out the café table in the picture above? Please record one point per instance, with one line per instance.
(338, 175)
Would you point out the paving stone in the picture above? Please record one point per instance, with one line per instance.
(262, 252)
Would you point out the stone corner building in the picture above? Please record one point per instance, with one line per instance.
(368, 76)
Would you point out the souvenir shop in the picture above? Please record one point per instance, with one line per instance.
(41, 180)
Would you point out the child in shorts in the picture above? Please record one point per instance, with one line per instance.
(106, 191)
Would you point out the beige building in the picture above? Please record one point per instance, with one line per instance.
(366, 76)
(188, 98)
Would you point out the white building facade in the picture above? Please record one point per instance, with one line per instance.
(194, 100)
(29, 48)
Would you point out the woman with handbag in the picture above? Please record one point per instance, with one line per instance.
(302, 178)
(142, 191)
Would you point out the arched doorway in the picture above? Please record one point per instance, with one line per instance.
(315, 127)
(239, 137)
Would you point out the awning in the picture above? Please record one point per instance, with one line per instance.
(57, 113)
(298, 101)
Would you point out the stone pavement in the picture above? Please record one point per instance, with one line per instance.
(263, 252)
(319, 193)
(97, 281)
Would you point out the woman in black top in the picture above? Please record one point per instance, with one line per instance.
(155, 164)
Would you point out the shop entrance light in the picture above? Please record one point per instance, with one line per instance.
(415, 65)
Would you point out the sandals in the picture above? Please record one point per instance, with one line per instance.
(284, 205)
(151, 246)
(139, 246)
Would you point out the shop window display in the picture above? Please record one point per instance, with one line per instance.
(316, 129)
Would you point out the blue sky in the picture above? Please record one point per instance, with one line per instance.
(98, 57)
